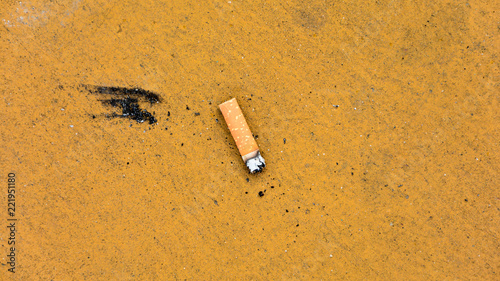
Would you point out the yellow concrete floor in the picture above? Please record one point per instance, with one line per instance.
(399, 182)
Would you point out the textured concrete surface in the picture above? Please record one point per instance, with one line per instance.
(389, 170)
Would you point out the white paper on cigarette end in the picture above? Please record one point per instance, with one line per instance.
(256, 164)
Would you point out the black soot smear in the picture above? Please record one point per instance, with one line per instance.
(128, 100)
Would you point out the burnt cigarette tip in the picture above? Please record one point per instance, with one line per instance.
(256, 164)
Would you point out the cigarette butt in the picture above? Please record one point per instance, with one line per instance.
(242, 136)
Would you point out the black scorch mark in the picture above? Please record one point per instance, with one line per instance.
(127, 99)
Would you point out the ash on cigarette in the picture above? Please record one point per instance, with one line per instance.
(256, 164)
(128, 100)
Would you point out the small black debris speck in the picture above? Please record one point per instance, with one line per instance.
(248, 179)
(216, 203)
(297, 225)
(466, 200)
(284, 141)
(286, 211)
(261, 193)
(168, 113)
(182, 144)
(216, 120)
(187, 107)
(196, 114)
(272, 186)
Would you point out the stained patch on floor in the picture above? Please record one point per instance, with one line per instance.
(126, 99)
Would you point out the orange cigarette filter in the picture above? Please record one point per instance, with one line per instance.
(242, 136)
